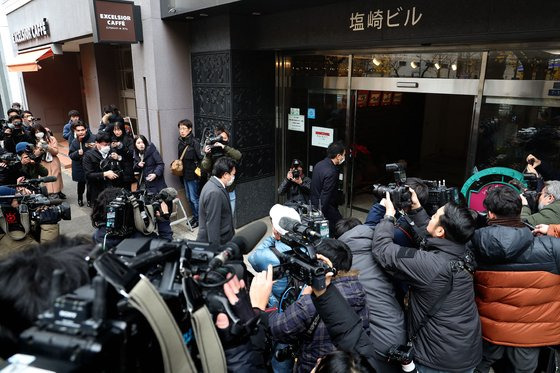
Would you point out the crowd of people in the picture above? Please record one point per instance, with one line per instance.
(403, 291)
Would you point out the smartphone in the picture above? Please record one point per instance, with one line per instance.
(277, 272)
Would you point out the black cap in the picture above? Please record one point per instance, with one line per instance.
(296, 162)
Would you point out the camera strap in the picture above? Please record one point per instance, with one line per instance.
(453, 267)
(139, 222)
(417, 236)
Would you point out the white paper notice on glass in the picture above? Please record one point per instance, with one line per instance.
(296, 122)
(321, 136)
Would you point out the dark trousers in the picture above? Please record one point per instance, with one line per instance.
(81, 189)
(521, 359)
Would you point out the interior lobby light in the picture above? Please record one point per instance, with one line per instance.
(437, 65)
(376, 62)
(413, 64)
(454, 66)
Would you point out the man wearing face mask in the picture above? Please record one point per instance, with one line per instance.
(96, 178)
(324, 183)
(215, 217)
(14, 134)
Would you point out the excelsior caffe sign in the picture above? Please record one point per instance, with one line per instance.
(116, 22)
(35, 31)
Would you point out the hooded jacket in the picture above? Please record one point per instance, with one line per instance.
(451, 339)
(386, 317)
(517, 286)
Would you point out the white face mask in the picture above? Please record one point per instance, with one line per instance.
(105, 150)
(342, 160)
(39, 135)
(231, 180)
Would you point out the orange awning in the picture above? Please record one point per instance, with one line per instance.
(27, 61)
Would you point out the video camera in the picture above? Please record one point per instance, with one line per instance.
(439, 195)
(95, 329)
(214, 139)
(398, 191)
(311, 217)
(137, 211)
(9, 159)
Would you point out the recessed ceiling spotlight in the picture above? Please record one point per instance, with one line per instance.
(413, 64)
(437, 65)
(376, 62)
(454, 67)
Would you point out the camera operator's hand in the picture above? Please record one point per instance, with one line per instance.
(219, 145)
(261, 287)
(141, 164)
(23, 191)
(150, 177)
(290, 175)
(8, 132)
(389, 207)
(3, 165)
(414, 199)
(115, 156)
(523, 200)
(80, 152)
(328, 276)
(20, 180)
(110, 175)
(207, 149)
(533, 161)
(38, 151)
(541, 229)
(532, 170)
(106, 117)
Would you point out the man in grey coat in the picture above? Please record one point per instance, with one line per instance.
(215, 217)
(386, 317)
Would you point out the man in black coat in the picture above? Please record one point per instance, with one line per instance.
(324, 183)
(96, 178)
(215, 217)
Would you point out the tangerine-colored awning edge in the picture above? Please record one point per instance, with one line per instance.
(26, 62)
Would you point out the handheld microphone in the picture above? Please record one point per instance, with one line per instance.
(242, 243)
(293, 225)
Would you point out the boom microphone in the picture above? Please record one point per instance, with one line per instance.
(293, 225)
(242, 243)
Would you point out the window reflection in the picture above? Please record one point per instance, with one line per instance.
(463, 65)
(508, 133)
(524, 65)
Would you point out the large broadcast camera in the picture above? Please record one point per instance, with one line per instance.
(137, 211)
(32, 211)
(140, 325)
(438, 193)
(301, 261)
(9, 159)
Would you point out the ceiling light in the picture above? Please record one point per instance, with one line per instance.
(189, 17)
(454, 66)
(413, 64)
(376, 62)
(203, 15)
(437, 65)
(256, 13)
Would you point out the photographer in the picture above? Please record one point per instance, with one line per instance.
(111, 114)
(7, 168)
(214, 150)
(296, 186)
(404, 234)
(122, 151)
(548, 205)
(444, 326)
(14, 133)
(49, 159)
(28, 120)
(29, 166)
(296, 323)
(513, 269)
(97, 177)
(83, 142)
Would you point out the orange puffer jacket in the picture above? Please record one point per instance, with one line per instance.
(517, 286)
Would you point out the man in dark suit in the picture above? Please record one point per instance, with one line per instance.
(324, 183)
(215, 217)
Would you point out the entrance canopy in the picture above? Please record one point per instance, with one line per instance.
(28, 61)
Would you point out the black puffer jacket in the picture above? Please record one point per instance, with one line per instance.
(451, 340)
